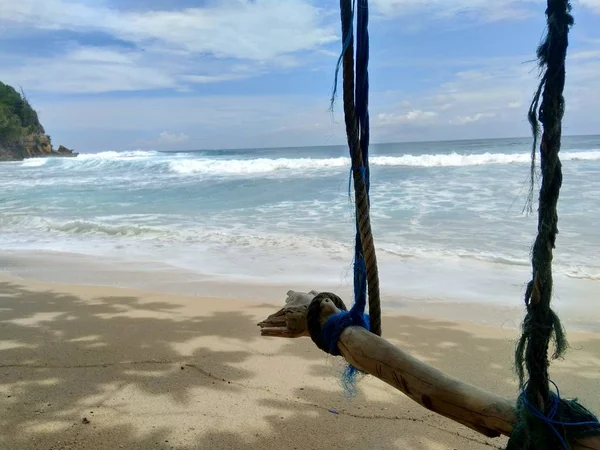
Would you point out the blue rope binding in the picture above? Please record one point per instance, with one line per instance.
(336, 324)
(548, 419)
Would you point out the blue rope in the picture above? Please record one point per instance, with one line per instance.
(548, 419)
(362, 117)
(335, 324)
(347, 40)
(362, 81)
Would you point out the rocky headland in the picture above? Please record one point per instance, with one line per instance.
(21, 133)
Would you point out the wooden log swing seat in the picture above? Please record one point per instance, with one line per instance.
(539, 418)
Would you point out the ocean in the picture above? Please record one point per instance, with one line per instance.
(448, 218)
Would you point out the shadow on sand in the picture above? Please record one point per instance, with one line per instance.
(69, 366)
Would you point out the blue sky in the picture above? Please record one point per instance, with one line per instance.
(191, 74)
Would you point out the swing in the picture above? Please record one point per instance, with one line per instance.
(540, 419)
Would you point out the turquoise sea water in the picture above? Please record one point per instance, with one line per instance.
(446, 215)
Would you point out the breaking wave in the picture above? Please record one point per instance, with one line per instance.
(190, 164)
(246, 238)
(265, 165)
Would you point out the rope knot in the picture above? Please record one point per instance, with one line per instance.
(325, 331)
(327, 334)
(336, 324)
(559, 414)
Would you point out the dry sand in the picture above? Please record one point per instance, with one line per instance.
(148, 370)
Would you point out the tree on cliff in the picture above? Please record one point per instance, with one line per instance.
(17, 117)
(21, 133)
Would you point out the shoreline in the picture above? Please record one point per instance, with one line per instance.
(273, 297)
(506, 310)
(494, 316)
(97, 367)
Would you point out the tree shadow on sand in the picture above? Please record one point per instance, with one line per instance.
(63, 358)
(301, 427)
(172, 380)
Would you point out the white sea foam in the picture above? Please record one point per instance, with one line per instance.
(458, 160)
(238, 237)
(438, 253)
(188, 164)
(36, 162)
(169, 207)
(265, 165)
(252, 166)
(82, 227)
(584, 273)
(119, 155)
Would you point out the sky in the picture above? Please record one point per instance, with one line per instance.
(200, 74)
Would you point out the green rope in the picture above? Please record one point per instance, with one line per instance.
(539, 408)
(541, 323)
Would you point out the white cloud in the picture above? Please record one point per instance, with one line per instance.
(490, 99)
(257, 30)
(490, 90)
(100, 55)
(213, 78)
(88, 69)
(585, 54)
(415, 116)
(165, 140)
(218, 121)
(489, 87)
(172, 138)
(110, 69)
(460, 108)
(225, 41)
(169, 51)
(483, 9)
(594, 5)
(464, 120)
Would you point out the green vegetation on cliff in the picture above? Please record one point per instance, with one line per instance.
(21, 133)
(17, 118)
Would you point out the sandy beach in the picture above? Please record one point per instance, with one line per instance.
(86, 367)
(230, 154)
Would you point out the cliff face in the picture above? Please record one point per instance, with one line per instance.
(21, 133)
(40, 145)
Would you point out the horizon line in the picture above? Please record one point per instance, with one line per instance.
(345, 145)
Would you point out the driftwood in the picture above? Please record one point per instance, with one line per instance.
(482, 411)
(289, 321)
